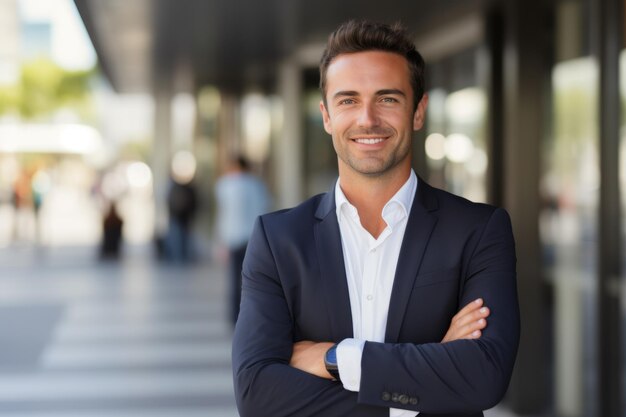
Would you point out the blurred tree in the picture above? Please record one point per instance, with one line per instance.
(9, 98)
(44, 87)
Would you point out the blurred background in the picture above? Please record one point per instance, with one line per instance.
(116, 115)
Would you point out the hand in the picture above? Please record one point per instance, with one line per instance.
(309, 357)
(468, 323)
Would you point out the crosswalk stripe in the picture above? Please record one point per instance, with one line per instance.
(133, 354)
(152, 412)
(68, 332)
(114, 311)
(114, 385)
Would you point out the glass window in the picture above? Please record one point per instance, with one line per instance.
(456, 144)
(570, 184)
(569, 217)
(568, 226)
(319, 157)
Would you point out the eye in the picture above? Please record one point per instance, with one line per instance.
(389, 100)
(347, 101)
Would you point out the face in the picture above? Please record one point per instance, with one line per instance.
(369, 112)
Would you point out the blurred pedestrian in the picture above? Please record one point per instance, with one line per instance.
(40, 186)
(24, 217)
(112, 226)
(241, 198)
(182, 204)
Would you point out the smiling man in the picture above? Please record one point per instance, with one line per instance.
(371, 299)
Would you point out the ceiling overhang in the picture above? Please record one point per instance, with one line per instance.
(145, 45)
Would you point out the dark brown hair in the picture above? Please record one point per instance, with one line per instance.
(360, 36)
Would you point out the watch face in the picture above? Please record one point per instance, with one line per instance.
(331, 355)
(330, 360)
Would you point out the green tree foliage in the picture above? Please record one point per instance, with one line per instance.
(44, 87)
(9, 98)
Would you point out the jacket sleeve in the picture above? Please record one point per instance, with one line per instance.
(265, 384)
(462, 376)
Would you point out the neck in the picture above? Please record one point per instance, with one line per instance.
(370, 194)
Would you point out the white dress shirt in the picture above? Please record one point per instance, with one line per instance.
(370, 270)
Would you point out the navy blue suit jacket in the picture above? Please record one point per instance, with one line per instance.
(295, 288)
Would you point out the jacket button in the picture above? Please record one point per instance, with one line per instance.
(395, 397)
(413, 401)
(404, 399)
(386, 396)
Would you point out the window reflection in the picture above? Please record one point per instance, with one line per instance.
(320, 157)
(456, 148)
(568, 227)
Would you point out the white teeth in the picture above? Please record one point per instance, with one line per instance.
(369, 141)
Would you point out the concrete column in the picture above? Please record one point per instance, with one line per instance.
(526, 67)
(161, 157)
(609, 15)
(228, 130)
(287, 150)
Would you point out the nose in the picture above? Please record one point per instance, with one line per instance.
(368, 116)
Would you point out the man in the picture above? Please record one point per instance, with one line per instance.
(241, 197)
(370, 300)
(182, 205)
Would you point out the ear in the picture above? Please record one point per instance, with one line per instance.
(420, 113)
(326, 118)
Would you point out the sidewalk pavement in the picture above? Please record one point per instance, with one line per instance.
(97, 339)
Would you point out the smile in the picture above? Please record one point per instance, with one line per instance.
(369, 141)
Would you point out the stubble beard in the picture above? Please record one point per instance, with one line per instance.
(375, 165)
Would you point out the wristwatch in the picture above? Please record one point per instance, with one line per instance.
(330, 360)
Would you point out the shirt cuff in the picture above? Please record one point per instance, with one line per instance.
(397, 412)
(349, 353)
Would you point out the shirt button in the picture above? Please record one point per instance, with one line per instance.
(370, 297)
(374, 250)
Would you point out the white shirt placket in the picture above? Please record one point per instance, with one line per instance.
(368, 302)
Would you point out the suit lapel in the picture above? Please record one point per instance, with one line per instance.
(418, 230)
(332, 268)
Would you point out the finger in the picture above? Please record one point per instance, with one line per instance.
(471, 325)
(469, 307)
(469, 330)
(467, 310)
(474, 335)
(458, 331)
(471, 316)
(467, 321)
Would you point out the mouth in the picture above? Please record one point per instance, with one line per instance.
(369, 141)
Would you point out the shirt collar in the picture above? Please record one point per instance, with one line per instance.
(403, 198)
(342, 204)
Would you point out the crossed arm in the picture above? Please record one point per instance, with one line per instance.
(466, 373)
(468, 323)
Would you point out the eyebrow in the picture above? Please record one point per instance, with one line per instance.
(345, 94)
(391, 91)
(388, 91)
